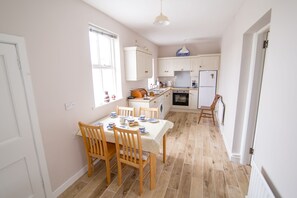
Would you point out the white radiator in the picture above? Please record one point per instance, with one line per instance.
(221, 111)
(258, 187)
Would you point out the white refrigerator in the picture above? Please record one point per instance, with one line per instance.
(206, 87)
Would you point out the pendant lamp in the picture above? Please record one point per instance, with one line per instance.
(161, 19)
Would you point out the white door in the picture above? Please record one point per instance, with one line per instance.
(20, 174)
(207, 78)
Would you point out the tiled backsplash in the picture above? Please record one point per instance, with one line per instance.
(176, 82)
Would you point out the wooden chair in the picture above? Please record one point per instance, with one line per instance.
(129, 151)
(209, 110)
(97, 147)
(154, 113)
(126, 111)
(149, 112)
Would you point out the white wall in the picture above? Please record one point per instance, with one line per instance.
(231, 59)
(276, 132)
(56, 35)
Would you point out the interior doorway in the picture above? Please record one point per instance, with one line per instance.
(23, 170)
(257, 39)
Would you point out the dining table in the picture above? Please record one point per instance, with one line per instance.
(152, 140)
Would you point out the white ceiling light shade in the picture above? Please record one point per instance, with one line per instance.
(161, 19)
(184, 50)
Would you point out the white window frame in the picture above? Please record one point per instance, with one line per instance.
(98, 82)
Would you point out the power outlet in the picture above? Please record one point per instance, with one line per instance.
(69, 106)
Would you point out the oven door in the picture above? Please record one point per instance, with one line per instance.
(180, 99)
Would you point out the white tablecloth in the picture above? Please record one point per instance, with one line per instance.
(151, 141)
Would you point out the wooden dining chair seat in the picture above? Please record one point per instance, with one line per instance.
(96, 147)
(125, 111)
(208, 111)
(129, 151)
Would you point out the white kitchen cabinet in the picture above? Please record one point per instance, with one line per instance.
(181, 64)
(193, 98)
(195, 63)
(209, 62)
(167, 102)
(163, 102)
(165, 67)
(138, 63)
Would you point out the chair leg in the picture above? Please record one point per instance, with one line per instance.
(153, 163)
(212, 114)
(119, 173)
(140, 180)
(200, 116)
(90, 166)
(107, 171)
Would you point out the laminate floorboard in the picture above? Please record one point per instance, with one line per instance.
(197, 166)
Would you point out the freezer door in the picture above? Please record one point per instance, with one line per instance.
(207, 78)
(206, 96)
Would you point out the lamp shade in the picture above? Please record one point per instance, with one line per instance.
(162, 20)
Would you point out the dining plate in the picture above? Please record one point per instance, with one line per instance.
(142, 120)
(109, 128)
(153, 120)
(98, 124)
(145, 132)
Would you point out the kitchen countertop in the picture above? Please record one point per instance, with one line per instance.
(162, 91)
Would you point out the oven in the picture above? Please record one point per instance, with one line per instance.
(180, 97)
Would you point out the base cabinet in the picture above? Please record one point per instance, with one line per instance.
(193, 99)
(162, 102)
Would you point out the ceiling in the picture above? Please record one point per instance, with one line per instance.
(191, 21)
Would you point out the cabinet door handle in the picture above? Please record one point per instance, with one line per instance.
(146, 71)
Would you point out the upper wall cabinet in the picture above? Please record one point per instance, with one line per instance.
(209, 62)
(181, 64)
(167, 65)
(195, 63)
(138, 63)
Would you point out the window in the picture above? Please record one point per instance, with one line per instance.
(103, 47)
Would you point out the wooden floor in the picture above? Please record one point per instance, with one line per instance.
(197, 166)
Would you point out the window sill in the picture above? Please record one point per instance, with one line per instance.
(107, 103)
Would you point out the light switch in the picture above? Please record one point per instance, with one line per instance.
(69, 106)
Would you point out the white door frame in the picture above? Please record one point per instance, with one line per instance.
(253, 93)
(19, 42)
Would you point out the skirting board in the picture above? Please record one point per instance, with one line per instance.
(71, 180)
(234, 157)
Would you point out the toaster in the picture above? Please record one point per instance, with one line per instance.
(138, 93)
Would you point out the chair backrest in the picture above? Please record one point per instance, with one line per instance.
(126, 111)
(215, 100)
(149, 112)
(128, 146)
(94, 139)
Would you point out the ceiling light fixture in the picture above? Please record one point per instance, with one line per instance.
(161, 19)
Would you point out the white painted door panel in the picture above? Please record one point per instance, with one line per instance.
(19, 169)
